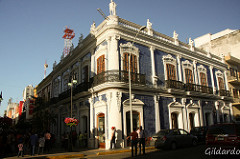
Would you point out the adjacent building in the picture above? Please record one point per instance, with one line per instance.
(172, 84)
(226, 44)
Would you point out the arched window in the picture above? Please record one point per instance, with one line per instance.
(101, 64)
(133, 62)
(221, 83)
(171, 72)
(188, 76)
(170, 64)
(203, 79)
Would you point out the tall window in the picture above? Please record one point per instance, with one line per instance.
(221, 83)
(133, 65)
(189, 76)
(235, 93)
(171, 74)
(133, 62)
(101, 64)
(203, 79)
(85, 74)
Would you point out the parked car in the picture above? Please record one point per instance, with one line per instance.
(200, 132)
(227, 134)
(173, 138)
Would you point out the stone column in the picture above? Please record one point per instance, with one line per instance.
(113, 55)
(226, 80)
(91, 141)
(212, 79)
(154, 77)
(217, 111)
(200, 113)
(195, 71)
(92, 63)
(184, 112)
(115, 117)
(157, 114)
(179, 68)
(231, 112)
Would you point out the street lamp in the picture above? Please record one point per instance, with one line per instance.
(129, 78)
(1, 98)
(72, 81)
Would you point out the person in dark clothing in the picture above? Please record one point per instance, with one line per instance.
(33, 140)
(134, 140)
(141, 136)
(113, 138)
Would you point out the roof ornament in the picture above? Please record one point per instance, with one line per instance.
(190, 42)
(112, 8)
(175, 37)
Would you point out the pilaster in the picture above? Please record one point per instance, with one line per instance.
(212, 79)
(179, 68)
(113, 56)
(157, 114)
(195, 71)
(154, 78)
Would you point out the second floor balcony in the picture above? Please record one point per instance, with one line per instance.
(188, 86)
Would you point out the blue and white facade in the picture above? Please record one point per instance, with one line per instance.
(174, 85)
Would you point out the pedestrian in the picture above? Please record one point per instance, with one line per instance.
(80, 138)
(20, 147)
(113, 137)
(134, 140)
(141, 136)
(47, 141)
(41, 144)
(33, 140)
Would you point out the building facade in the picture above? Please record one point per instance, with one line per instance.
(226, 44)
(173, 84)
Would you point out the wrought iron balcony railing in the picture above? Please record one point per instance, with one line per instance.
(188, 86)
(223, 92)
(118, 76)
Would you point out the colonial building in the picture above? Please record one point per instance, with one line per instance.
(172, 84)
(226, 44)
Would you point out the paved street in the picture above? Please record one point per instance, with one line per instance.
(197, 152)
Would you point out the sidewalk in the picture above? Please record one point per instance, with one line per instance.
(78, 154)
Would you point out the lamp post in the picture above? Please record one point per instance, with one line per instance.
(72, 81)
(129, 79)
(1, 98)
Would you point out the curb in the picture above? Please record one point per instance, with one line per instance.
(65, 156)
(121, 151)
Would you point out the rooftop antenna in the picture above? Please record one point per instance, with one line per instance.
(45, 68)
(68, 36)
(102, 13)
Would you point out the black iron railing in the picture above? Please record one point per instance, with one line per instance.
(223, 92)
(188, 86)
(118, 76)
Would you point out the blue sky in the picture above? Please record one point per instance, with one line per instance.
(32, 30)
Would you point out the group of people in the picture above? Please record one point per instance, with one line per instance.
(137, 139)
(32, 142)
(81, 137)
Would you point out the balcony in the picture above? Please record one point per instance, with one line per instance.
(174, 84)
(188, 87)
(223, 92)
(236, 101)
(118, 76)
(233, 80)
